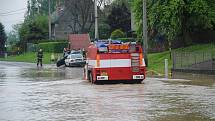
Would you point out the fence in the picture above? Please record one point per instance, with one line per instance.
(2, 53)
(32, 47)
(201, 62)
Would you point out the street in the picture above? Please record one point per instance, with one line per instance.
(28, 93)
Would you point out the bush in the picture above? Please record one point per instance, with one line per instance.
(139, 40)
(117, 34)
(53, 47)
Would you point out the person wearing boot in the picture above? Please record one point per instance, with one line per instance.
(40, 57)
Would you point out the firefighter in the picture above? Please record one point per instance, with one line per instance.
(84, 53)
(40, 57)
(64, 52)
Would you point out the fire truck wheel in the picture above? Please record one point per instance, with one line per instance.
(138, 81)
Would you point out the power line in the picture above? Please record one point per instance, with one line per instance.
(12, 11)
(13, 21)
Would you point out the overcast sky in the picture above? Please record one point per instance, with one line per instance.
(12, 12)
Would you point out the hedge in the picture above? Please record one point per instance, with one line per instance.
(53, 47)
(129, 39)
(47, 40)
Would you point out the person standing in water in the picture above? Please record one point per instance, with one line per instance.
(40, 57)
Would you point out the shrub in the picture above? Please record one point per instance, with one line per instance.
(127, 39)
(139, 40)
(117, 34)
(55, 47)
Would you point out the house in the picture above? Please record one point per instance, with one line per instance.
(72, 17)
(79, 41)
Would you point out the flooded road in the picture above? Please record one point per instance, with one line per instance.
(51, 94)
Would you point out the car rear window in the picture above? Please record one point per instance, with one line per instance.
(73, 56)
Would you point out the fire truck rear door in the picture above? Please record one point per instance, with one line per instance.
(120, 66)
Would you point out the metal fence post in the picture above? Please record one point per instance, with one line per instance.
(166, 68)
(173, 60)
(212, 63)
(5, 55)
(181, 60)
(213, 66)
(195, 57)
(203, 54)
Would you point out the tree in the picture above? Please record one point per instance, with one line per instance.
(117, 34)
(32, 31)
(175, 18)
(13, 36)
(2, 38)
(104, 31)
(38, 29)
(118, 2)
(35, 26)
(40, 7)
(79, 16)
(120, 18)
(103, 3)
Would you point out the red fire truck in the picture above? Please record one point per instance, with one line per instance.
(115, 61)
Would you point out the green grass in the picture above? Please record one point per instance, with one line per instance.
(30, 57)
(156, 60)
(199, 47)
(156, 63)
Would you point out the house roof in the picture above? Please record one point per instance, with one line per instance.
(79, 41)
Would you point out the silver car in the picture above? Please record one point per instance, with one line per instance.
(75, 59)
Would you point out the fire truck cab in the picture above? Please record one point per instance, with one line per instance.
(113, 60)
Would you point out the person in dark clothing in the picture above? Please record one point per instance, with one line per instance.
(40, 57)
(64, 52)
(84, 53)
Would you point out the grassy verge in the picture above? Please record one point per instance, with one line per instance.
(156, 63)
(156, 60)
(30, 57)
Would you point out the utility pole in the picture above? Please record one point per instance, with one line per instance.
(96, 20)
(49, 20)
(145, 38)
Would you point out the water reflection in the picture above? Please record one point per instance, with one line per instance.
(195, 79)
(51, 74)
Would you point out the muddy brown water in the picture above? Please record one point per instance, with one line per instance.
(50, 94)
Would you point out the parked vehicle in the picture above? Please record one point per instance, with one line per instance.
(75, 59)
(115, 61)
